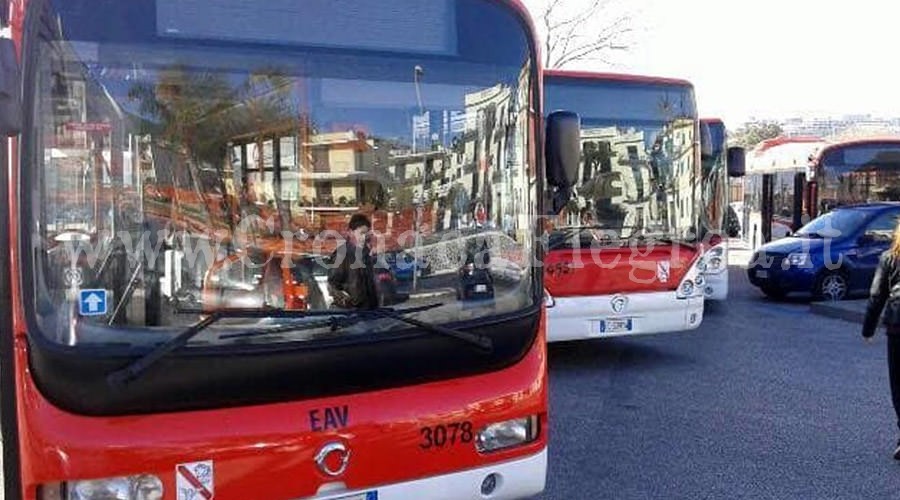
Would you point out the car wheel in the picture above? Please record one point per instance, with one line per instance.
(832, 286)
(774, 293)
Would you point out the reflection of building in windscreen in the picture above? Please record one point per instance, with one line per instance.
(469, 175)
(615, 178)
(631, 179)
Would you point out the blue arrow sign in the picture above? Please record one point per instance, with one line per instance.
(92, 302)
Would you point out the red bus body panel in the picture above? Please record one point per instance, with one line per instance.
(573, 273)
(267, 451)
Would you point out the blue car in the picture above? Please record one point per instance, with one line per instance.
(833, 256)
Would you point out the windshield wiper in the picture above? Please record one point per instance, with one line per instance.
(662, 239)
(136, 368)
(349, 318)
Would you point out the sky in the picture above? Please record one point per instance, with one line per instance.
(766, 59)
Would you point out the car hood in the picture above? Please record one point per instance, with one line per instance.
(792, 244)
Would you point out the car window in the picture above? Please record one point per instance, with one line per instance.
(882, 227)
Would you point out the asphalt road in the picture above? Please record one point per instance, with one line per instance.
(764, 400)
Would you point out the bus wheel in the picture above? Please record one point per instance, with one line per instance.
(832, 285)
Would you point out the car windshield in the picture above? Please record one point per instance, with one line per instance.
(638, 156)
(184, 158)
(834, 224)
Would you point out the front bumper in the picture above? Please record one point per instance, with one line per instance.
(574, 318)
(520, 478)
(792, 279)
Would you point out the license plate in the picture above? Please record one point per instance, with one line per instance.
(762, 273)
(369, 495)
(615, 325)
(480, 288)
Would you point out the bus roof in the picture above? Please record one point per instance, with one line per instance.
(616, 77)
(784, 154)
(712, 120)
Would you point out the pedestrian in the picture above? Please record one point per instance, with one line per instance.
(351, 281)
(884, 296)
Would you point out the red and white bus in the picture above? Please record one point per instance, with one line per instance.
(117, 378)
(718, 164)
(794, 179)
(625, 257)
(775, 187)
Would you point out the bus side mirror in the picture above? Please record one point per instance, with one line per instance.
(736, 161)
(562, 156)
(10, 90)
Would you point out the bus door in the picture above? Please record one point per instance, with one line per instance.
(799, 184)
(768, 204)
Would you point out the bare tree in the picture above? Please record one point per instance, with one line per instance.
(585, 33)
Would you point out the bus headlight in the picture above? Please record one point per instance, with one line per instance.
(548, 299)
(714, 260)
(507, 434)
(686, 289)
(140, 487)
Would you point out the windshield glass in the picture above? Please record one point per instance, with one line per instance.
(835, 224)
(638, 156)
(862, 173)
(715, 181)
(325, 155)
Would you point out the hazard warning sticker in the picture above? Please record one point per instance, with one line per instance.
(194, 481)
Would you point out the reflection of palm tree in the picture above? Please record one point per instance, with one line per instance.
(198, 113)
(203, 111)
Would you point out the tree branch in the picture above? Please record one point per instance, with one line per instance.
(565, 40)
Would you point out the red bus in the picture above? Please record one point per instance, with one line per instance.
(794, 179)
(776, 199)
(116, 383)
(854, 171)
(625, 257)
(718, 222)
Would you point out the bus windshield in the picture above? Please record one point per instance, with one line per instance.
(859, 173)
(638, 156)
(193, 156)
(714, 186)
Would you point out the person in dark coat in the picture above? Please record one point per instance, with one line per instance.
(884, 297)
(351, 281)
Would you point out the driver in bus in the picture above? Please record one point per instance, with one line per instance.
(351, 281)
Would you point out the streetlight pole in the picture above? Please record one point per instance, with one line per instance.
(418, 72)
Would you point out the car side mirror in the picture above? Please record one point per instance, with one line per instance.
(562, 156)
(10, 90)
(736, 161)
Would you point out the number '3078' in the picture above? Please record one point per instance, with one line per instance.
(440, 436)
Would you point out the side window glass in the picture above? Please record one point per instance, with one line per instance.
(882, 228)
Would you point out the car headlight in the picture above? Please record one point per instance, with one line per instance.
(508, 434)
(139, 487)
(716, 264)
(796, 260)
